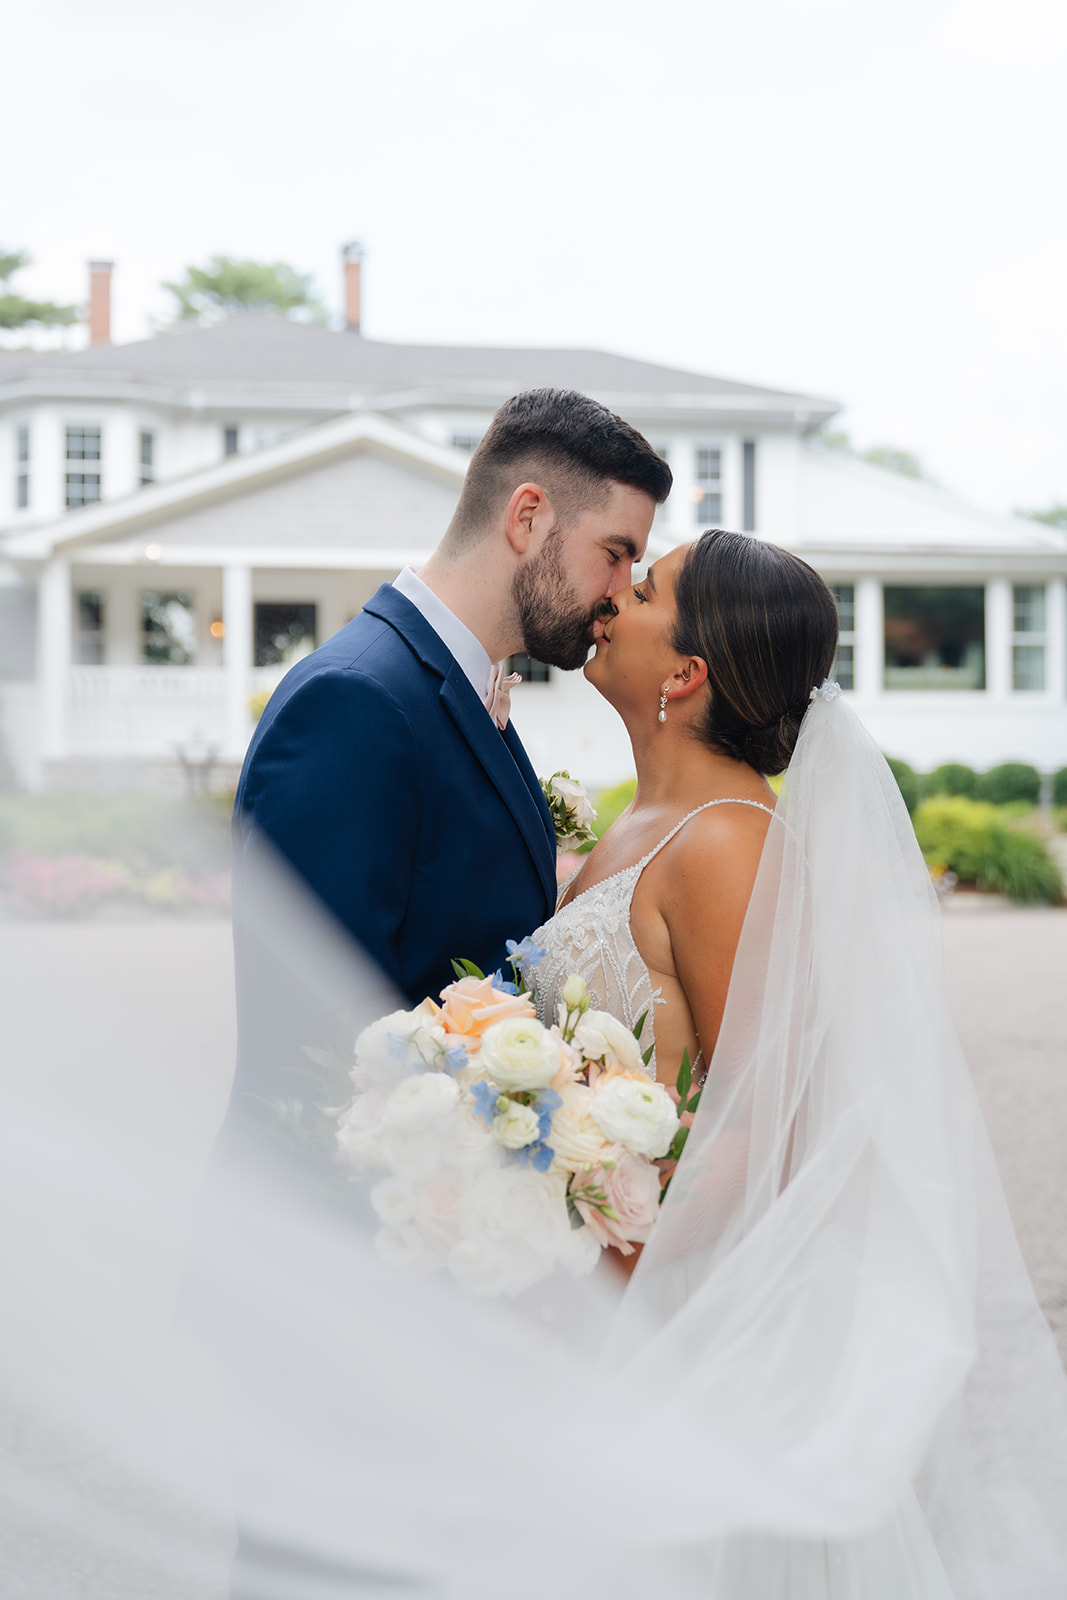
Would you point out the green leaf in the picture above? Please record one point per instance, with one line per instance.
(678, 1143)
(685, 1077)
(647, 1055)
(466, 969)
(639, 1024)
(694, 1101)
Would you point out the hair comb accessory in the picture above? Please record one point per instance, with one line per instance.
(826, 690)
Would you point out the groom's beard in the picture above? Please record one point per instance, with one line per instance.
(556, 627)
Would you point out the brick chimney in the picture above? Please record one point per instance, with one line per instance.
(352, 255)
(100, 302)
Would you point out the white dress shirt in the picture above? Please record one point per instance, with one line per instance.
(468, 651)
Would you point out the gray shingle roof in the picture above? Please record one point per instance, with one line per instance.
(273, 351)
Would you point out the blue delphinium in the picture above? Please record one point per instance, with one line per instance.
(523, 952)
(501, 983)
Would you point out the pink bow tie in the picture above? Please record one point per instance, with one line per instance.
(498, 694)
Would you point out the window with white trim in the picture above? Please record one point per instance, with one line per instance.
(1028, 637)
(89, 620)
(22, 466)
(707, 487)
(83, 444)
(147, 458)
(532, 671)
(168, 627)
(845, 662)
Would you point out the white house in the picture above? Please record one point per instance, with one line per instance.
(180, 518)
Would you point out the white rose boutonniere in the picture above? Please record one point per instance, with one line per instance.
(572, 814)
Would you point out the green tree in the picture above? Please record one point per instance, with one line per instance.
(1055, 516)
(16, 311)
(889, 456)
(227, 287)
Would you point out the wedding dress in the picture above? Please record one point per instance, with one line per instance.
(591, 936)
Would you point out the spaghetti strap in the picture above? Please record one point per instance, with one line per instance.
(678, 826)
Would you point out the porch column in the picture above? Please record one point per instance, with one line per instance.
(54, 656)
(237, 656)
(870, 637)
(998, 629)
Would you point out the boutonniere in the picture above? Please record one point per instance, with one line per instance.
(572, 815)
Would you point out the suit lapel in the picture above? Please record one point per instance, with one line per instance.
(502, 756)
(512, 779)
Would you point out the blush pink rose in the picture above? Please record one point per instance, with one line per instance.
(632, 1187)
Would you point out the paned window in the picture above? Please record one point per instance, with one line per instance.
(22, 470)
(89, 628)
(532, 671)
(83, 444)
(231, 439)
(748, 486)
(83, 489)
(1028, 637)
(845, 664)
(148, 458)
(707, 490)
(168, 627)
(466, 441)
(935, 636)
(284, 632)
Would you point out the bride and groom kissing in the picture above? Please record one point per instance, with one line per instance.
(386, 769)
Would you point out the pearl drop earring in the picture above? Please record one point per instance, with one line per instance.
(663, 706)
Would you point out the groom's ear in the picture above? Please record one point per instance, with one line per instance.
(692, 674)
(528, 517)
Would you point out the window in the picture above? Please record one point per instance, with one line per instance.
(1028, 637)
(748, 472)
(168, 628)
(148, 454)
(466, 441)
(89, 628)
(845, 664)
(83, 444)
(707, 491)
(22, 470)
(83, 489)
(532, 671)
(935, 637)
(284, 632)
(230, 439)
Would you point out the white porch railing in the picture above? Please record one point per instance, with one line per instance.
(145, 711)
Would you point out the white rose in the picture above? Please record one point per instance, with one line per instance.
(414, 1154)
(519, 1053)
(390, 1047)
(393, 1200)
(602, 1037)
(401, 1245)
(471, 1144)
(419, 1102)
(516, 1205)
(360, 1147)
(575, 799)
(575, 1137)
(636, 1113)
(516, 1125)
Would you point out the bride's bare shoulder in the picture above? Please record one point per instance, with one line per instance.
(716, 855)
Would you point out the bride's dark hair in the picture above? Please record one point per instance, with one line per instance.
(766, 624)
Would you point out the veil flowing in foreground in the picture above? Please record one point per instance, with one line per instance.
(828, 1378)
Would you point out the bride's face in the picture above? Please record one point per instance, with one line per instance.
(634, 656)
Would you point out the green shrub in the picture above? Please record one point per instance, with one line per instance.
(1059, 787)
(610, 803)
(141, 830)
(951, 778)
(1012, 780)
(977, 841)
(907, 782)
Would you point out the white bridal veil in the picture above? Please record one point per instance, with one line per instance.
(827, 1380)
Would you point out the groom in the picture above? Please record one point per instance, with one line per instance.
(385, 769)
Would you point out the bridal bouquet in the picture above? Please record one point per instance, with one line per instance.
(503, 1149)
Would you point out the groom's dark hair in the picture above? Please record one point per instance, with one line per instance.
(571, 445)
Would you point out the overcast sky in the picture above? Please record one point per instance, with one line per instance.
(863, 199)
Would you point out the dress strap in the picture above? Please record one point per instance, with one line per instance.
(678, 826)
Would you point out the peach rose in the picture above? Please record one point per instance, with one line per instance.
(472, 1004)
(631, 1189)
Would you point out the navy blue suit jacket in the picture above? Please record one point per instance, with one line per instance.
(379, 775)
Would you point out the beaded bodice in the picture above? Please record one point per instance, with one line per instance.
(591, 936)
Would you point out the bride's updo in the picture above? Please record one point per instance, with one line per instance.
(766, 624)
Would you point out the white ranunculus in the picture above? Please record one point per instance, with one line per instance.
(575, 799)
(401, 1245)
(390, 1047)
(519, 1053)
(360, 1147)
(471, 1144)
(603, 1037)
(516, 1205)
(636, 1113)
(420, 1101)
(516, 1125)
(393, 1200)
(414, 1154)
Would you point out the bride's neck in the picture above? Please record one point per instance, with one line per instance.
(676, 768)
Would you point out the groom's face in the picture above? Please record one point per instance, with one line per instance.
(563, 590)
